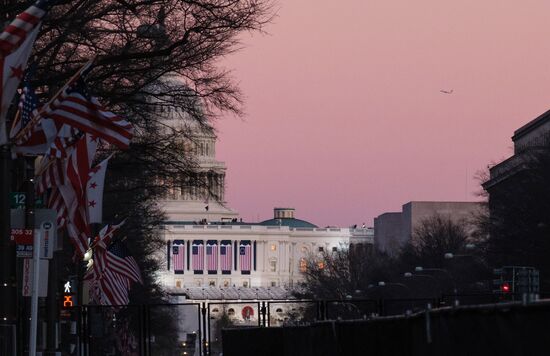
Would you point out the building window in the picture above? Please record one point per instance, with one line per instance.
(273, 265)
(179, 283)
(245, 283)
(212, 283)
(321, 248)
(304, 249)
(215, 310)
(273, 247)
(303, 265)
(334, 249)
(198, 282)
(321, 264)
(226, 283)
(231, 312)
(274, 283)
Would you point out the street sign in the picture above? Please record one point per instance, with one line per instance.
(18, 200)
(48, 242)
(28, 278)
(23, 251)
(22, 236)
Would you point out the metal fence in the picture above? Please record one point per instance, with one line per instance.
(195, 329)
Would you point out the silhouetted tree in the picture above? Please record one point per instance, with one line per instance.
(345, 272)
(140, 47)
(438, 235)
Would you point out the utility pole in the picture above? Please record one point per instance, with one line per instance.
(8, 318)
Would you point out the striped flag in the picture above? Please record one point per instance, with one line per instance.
(178, 256)
(245, 256)
(121, 261)
(16, 41)
(94, 191)
(226, 255)
(26, 132)
(212, 256)
(15, 34)
(56, 202)
(28, 107)
(114, 269)
(197, 256)
(78, 109)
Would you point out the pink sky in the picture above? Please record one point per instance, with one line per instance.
(345, 119)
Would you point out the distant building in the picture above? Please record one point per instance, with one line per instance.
(207, 245)
(393, 230)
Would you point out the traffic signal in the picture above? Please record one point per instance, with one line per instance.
(504, 283)
(505, 287)
(516, 281)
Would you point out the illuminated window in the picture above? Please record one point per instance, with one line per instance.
(273, 247)
(303, 265)
(226, 283)
(321, 264)
(179, 283)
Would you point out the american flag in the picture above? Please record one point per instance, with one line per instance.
(212, 256)
(16, 42)
(226, 255)
(178, 256)
(17, 31)
(120, 261)
(78, 109)
(113, 271)
(41, 118)
(245, 256)
(28, 107)
(197, 252)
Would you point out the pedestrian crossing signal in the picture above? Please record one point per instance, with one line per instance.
(67, 301)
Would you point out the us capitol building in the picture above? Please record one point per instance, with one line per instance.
(208, 247)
